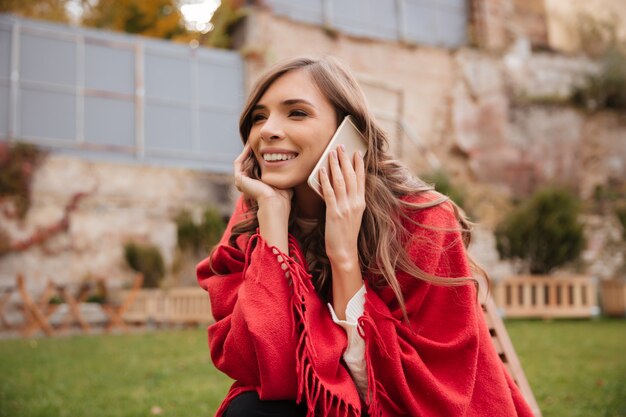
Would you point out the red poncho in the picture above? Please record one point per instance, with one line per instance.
(274, 334)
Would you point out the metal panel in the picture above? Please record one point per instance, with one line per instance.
(5, 53)
(119, 97)
(310, 11)
(168, 127)
(219, 133)
(453, 29)
(371, 18)
(47, 59)
(421, 22)
(5, 97)
(101, 74)
(46, 114)
(167, 77)
(445, 21)
(433, 22)
(109, 121)
(219, 86)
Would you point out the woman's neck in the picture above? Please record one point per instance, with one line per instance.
(308, 203)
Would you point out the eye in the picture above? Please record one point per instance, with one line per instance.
(298, 113)
(258, 117)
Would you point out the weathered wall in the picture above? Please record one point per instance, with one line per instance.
(124, 202)
(567, 32)
(497, 118)
(500, 121)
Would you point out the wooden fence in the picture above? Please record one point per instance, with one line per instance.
(186, 305)
(613, 297)
(547, 297)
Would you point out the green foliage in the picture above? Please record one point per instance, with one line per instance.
(17, 168)
(607, 89)
(442, 183)
(146, 259)
(52, 10)
(155, 18)
(225, 21)
(543, 232)
(199, 237)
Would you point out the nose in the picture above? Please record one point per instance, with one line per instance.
(271, 129)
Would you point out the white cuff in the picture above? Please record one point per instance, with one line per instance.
(355, 352)
(354, 310)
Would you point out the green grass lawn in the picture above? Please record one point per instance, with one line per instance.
(576, 368)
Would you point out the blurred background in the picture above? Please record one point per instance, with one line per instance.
(118, 128)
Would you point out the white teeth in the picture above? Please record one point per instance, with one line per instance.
(278, 156)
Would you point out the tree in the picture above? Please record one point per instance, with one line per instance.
(154, 18)
(53, 10)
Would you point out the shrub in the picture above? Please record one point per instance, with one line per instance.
(146, 259)
(199, 237)
(18, 162)
(606, 89)
(442, 183)
(544, 232)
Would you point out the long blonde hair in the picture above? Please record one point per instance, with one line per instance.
(382, 238)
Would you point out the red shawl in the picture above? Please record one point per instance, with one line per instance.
(274, 334)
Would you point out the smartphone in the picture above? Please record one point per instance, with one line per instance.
(347, 135)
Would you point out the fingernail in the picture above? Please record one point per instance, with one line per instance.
(360, 154)
(343, 148)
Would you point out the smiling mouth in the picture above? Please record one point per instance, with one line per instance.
(278, 157)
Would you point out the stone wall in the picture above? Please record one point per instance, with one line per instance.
(123, 203)
(568, 20)
(500, 119)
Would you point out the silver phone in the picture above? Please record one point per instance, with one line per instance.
(347, 135)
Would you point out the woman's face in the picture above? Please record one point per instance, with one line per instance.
(291, 125)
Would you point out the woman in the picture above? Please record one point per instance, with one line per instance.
(357, 303)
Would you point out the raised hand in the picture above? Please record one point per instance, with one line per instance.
(274, 204)
(344, 195)
(253, 188)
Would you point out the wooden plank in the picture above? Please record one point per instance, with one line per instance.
(509, 356)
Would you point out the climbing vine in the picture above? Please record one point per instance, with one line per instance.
(18, 162)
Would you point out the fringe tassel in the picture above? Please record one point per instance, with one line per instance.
(374, 409)
(310, 388)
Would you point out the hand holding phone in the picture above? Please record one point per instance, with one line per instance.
(347, 135)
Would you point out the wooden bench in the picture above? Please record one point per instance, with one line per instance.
(547, 297)
(185, 305)
(504, 347)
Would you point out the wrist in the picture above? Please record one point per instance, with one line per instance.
(275, 202)
(347, 278)
(345, 264)
(274, 224)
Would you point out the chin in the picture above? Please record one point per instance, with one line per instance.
(279, 183)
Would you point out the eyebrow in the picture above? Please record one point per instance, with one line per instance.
(289, 102)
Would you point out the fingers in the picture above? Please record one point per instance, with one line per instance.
(344, 189)
(347, 170)
(327, 189)
(359, 167)
(237, 166)
(348, 174)
(338, 181)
